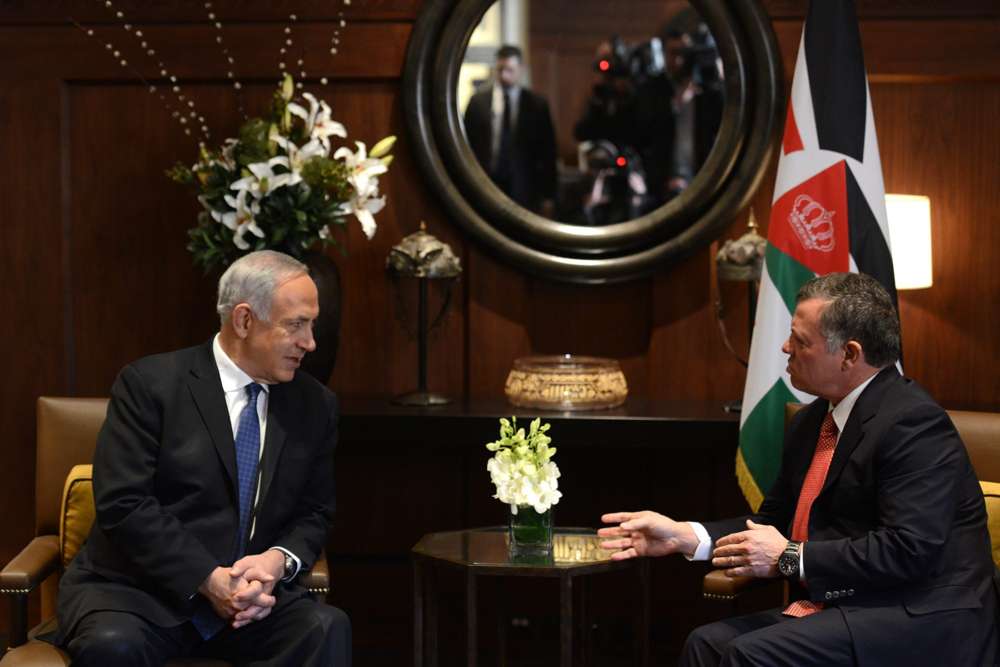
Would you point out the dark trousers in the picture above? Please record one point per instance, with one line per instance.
(769, 639)
(303, 632)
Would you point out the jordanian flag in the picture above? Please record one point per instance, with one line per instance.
(828, 215)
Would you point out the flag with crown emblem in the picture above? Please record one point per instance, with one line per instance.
(827, 215)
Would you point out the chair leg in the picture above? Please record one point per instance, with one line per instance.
(18, 619)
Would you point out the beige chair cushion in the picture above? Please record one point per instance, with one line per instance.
(77, 513)
(991, 494)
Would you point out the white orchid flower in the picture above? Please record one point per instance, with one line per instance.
(263, 180)
(319, 125)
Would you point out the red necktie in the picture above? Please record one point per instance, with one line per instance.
(810, 489)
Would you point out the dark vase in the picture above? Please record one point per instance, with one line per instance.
(320, 362)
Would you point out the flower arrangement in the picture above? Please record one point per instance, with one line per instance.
(277, 186)
(522, 469)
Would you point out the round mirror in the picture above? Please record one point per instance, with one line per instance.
(584, 145)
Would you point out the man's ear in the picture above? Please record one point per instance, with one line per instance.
(242, 320)
(852, 354)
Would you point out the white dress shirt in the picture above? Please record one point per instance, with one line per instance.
(234, 382)
(841, 412)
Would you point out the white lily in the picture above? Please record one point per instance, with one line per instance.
(262, 178)
(241, 219)
(364, 209)
(319, 125)
(364, 170)
(297, 157)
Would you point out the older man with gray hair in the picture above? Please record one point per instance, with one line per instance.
(213, 486)
(876, 519)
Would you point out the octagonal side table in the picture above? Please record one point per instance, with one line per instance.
(484, 552)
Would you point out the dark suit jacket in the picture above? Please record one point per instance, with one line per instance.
(533, 145)
(897, 536)
(165, 488)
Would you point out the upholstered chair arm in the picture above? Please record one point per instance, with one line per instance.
(317, 580)
(32, 566)
(22, 575)
(717, 586)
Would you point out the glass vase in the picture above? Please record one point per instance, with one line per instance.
(530, 532)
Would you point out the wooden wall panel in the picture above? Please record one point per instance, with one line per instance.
(92, 234)
(937, 140)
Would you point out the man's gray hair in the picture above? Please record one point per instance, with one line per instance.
(253, 279)
(859, 309)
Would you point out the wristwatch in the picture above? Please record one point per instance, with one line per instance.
(289, 566)
(788, 561)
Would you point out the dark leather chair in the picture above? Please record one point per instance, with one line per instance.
(67, 435)
(980, 431)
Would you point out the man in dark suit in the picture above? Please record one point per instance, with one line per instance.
(213, 486)
(509, 129)
(876, 517)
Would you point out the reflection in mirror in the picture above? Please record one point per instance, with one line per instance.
(587, 116)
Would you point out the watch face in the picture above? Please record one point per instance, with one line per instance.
(788, 564)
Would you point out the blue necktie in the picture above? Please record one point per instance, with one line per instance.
(247, 442)
(247, 458)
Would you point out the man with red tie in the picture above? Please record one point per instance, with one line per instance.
(876, 517)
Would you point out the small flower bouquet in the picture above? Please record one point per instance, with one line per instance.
(276, 185)
(527, 479)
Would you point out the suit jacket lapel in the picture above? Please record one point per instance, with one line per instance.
(854, 430)
(274, 438)
(206, 390)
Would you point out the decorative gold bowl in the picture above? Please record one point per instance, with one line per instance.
(566, 382)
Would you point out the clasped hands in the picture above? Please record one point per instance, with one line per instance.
(753, 552)
(243, 592)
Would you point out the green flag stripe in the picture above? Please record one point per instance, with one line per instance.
(787, 274)
(763, 433)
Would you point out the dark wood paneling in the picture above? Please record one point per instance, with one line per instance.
(937, 140)
(892, 8)
(95, 274)
(192, 54)
(193, 11)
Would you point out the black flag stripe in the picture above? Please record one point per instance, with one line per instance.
(836, 76)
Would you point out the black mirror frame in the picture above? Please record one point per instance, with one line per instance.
(623, 251)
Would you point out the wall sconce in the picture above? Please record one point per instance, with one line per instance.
(910, 236)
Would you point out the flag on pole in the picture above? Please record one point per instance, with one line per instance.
(827, 215)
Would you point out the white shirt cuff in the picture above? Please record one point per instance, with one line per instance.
(802, 562)
(704, 550)
(298, 563)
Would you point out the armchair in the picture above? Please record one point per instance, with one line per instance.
(64, 511)
(980, 431)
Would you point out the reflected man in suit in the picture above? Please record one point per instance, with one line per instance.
(876, 518)
(213, 486)
(510, 131)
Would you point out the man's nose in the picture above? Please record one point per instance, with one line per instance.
(309, 344)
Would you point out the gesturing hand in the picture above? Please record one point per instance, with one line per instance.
(646, 534)
(751, 553)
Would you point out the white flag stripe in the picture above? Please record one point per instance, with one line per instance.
(801, 99)
(869, 173)
(800, 166)
(767, 361)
